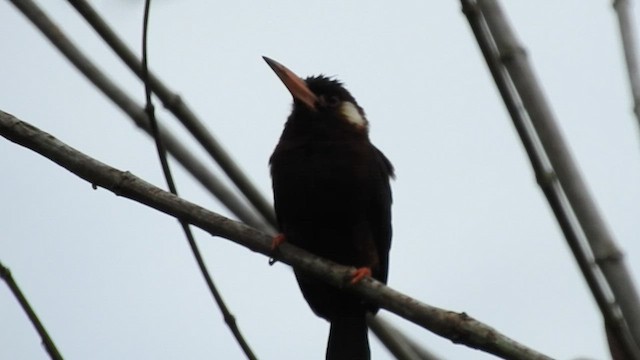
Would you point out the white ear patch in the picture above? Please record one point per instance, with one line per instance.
(351, 113)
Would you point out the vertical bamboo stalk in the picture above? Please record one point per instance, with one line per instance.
(629, 41)
(607, 255)
(616, 327)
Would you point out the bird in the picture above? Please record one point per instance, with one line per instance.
(332, 197)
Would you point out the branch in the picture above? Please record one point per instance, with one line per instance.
(608, 256)
(230, 320)
(458, 327)
(400, 346)
(5, 274)
(194, 166)
(628, 37)
(548, 181)
(175, 105)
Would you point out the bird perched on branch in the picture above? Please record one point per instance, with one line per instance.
(332, 198)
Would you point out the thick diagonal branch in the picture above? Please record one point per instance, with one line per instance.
(458, 327)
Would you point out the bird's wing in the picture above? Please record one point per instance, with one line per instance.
(380, 213)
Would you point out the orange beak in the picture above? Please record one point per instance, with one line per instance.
(297, 87)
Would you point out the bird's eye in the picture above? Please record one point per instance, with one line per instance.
(331, 101)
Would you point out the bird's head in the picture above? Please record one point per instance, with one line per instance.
(321, 102)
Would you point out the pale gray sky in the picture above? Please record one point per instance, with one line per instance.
(472, 232)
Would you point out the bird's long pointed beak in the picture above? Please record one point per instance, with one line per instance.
(297, 87)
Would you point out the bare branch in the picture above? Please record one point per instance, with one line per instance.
(166, 170)
(401, 347)
(608, 256)
(629, 41)
(458, 327)
(49, 345)
(194, 166)
(548, 182)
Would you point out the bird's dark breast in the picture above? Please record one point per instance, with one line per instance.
(333, 199)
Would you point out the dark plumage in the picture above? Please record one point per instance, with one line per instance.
(332, 198)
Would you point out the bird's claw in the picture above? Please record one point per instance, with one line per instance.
(277, 241)
(360, 274)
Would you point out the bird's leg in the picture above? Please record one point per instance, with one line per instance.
(360, 274)
(277, 241)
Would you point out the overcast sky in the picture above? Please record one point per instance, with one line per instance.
(113, 279)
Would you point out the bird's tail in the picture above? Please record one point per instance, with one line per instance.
(348, 338)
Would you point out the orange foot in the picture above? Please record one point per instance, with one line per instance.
(277, 241)
(360, 274)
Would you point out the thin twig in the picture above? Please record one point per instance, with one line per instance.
(182, 112)
(606, 253)
(629, 46)
(548, 181)
(49, 345)
(166, 170)
(458, 327)
(136, 113)
(401, 347)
